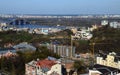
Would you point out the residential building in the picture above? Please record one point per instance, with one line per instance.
(3, 24)
(8, 54)
(115, 24)
(47, 66)
(74, 30)
(24, 46)
(103, 70)
(94, 72)
(109, 60)
(8, 45)
(5, 50)
(62, 50)
(83, 34)
(104, 22)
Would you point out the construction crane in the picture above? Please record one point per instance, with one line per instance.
(71, 45)
(93, 47)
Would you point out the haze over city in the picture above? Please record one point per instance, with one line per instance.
(59, 6)
(59, 37)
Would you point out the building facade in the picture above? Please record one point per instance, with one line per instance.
(43, 67)
(62, 50)
(8, 54)
(104, 22)
(115, 24)
(83, 34)
(110, 61)
(94, 72)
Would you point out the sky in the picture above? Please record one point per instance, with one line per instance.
(59, 6)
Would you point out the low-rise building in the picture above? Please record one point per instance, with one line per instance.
(43, 67)
(93, 27)
(104, 22)
(115, 24)
(5, 50)
(24, 46)
(74, 30)
(94, 72)
(103, 70)
(8, 54)
(83, 34)
(3, 24)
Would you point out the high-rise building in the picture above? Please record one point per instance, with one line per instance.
(62, 50)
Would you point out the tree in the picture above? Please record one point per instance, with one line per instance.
(79, 67)
(13, 71)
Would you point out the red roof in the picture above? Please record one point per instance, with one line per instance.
(46, 63)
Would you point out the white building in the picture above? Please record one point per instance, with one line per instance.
(83, 34)
(115, 24)
(43, 67)
(104, 22)
(3, 24)
(94, 72)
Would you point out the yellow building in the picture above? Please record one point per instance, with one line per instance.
(74, 30)
(109, 61)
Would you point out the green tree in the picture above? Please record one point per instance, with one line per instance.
(79, 67)
(13, 71)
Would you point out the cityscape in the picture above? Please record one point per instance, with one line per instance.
(60, 37)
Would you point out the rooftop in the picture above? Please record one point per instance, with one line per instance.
(46, 64)
(105, 69)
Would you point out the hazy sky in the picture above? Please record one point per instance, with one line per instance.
(59, 6)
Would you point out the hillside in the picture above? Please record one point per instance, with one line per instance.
(106, 39)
